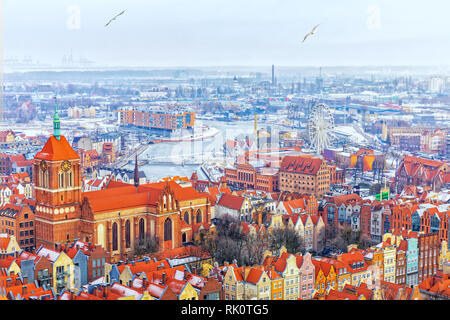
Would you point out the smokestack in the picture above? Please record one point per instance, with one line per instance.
(273, 75)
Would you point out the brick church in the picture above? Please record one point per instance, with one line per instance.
(115, 217)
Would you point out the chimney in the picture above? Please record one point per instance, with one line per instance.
(24, 290)
(25, 279)
(9, 282)
(163, 278)
(144, 283)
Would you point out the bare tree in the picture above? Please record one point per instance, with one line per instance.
(255, 245)
(147, 245)
(287, 237)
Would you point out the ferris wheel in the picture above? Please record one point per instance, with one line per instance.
(320, 127)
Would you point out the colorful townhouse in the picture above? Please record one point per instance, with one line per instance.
(276, 283)
(236, 207)
(36, 268)
(63, 269)
(389, 257)
(412, 262)
(233, 284)
(285, 265)
(429, 247)
(375, 259)
(401, 265)
(8, 244)
(257, 285)
(10, 264)
(357, 266)
(306, 275)
(325, 277)
(18, 220)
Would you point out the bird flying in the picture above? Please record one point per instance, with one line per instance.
(313, 31)
(114, 18)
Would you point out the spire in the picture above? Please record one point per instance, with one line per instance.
(136, 172)
(56, 124)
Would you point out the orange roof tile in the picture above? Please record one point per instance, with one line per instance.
(56, 150)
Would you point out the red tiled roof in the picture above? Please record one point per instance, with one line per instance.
(301, 164)
(4, 242)
(254, 275)
(231, 201)
(57, 150)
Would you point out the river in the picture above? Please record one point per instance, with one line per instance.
(183, 158)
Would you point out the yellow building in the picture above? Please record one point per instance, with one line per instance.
(325, 278)
(375, 260)
(126, 275)
(342, 271)
(276, 222)
(257, 284)
(128, 293)
(276, 284)
(10, 265)
(389, 261)
(187, 292)
(28, 190)
(287, 266)
(8, 244)
(233, 284)
(63, 269)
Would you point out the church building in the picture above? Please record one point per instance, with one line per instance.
(115, 217)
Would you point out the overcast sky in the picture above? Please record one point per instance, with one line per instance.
(160, 33)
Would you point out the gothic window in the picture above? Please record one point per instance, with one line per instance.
(141, 229)
(199, 216)
(127, 234)
(186, 217)
(167, 229)
(115, 242)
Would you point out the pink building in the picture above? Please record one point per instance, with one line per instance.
(306, 287)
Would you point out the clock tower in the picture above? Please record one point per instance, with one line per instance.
(57, 184)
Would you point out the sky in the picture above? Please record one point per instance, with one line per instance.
(169, 33)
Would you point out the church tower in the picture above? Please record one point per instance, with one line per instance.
(57, 184)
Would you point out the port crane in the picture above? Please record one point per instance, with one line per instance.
(234, 110)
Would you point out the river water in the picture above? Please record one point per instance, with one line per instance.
(183, 158)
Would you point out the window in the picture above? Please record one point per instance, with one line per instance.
(141, 228)
(115, 242)
(167, 229)
(127, 234)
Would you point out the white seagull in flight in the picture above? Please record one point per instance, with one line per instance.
(313, 31)
(114, 18)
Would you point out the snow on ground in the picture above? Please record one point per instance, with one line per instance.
(351, 133)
